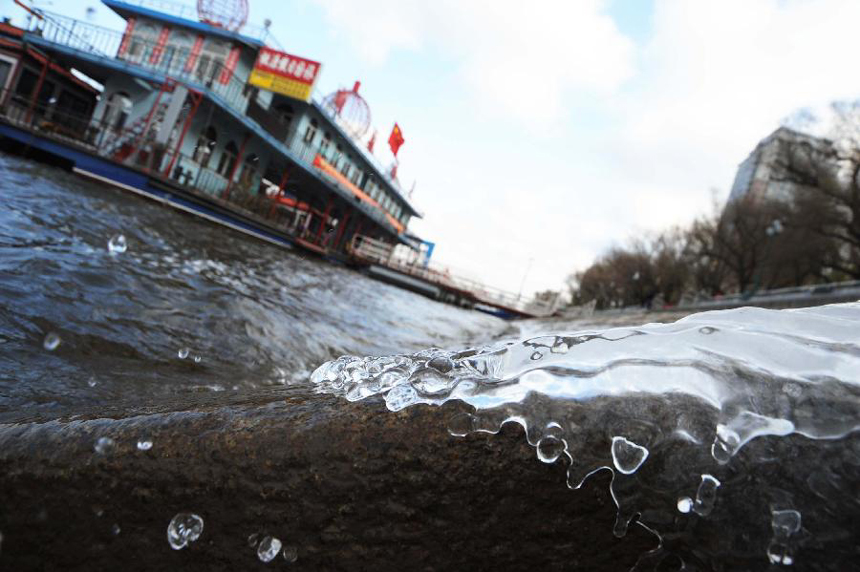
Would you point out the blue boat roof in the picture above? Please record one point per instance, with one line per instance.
(139, 8)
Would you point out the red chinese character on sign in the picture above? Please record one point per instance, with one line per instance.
(300, 69)
(310, 71)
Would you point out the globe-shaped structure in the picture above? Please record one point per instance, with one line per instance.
(350, 110)
(228, 14)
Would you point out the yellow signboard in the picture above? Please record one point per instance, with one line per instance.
(284, 73)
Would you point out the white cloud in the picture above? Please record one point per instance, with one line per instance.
(673, 116)
(517, 58)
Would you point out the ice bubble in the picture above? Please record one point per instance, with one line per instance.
(549, 449)
(706, 495)
(460, 424)
(182, 353)
(104, 445)
(51, 342)
(92, 382)
(144, 445)
(184, 528)
(441, 363)
(430, 382)
(117, 244)
(685, 504)
(399, 397)
(197, 359)
(115, 529)
(268, 549)
(291, 554)
(627, 456)
(536, 356)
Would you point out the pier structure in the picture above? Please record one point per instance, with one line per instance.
(214, 121)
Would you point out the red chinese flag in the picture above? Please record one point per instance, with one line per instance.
(396, 139)
(372, 142)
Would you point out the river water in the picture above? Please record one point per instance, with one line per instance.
(252, 317)
(731, 436)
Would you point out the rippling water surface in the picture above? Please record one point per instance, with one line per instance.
(83, 325)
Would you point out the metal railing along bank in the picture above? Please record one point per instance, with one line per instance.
(378, 252)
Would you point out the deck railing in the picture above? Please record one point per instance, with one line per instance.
(186, 12)
(163, 61)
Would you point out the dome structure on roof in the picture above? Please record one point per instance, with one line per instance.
(227, 14)
(350, 110)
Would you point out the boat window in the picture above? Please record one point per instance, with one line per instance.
(284, 112)
(228, 159)
(356, 176)
(143, 40)
(311, 132)
(117, 111)
(324, 144)
(205, 146)
(177, 51)
(249, 170)
(211, 60)
(346, 167)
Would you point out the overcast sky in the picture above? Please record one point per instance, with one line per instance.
(549, 130)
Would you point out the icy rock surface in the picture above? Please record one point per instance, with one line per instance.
(696, 419)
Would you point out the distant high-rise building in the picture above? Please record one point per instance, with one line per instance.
(761, 175)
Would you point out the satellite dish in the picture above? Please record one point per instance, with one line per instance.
(230, 15)
(350, 110)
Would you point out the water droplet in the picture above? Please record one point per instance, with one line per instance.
(197, 359)
(536, 356)
(291, 554)
(560, 347)
(268, 549)
(254, 539)
(706, 495)
(399, 397)
(92, 382)
(144, 445)
(460, 424)
(117, 244)
(441, 363)
(726, 444)
(785, 523)
(115, 529)
(104, 445)
(184, 529)
(51, 342)
(549, 449)
(707, 330)
(182, 353)
(98, 511)
(685, 504)
(627, 456)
